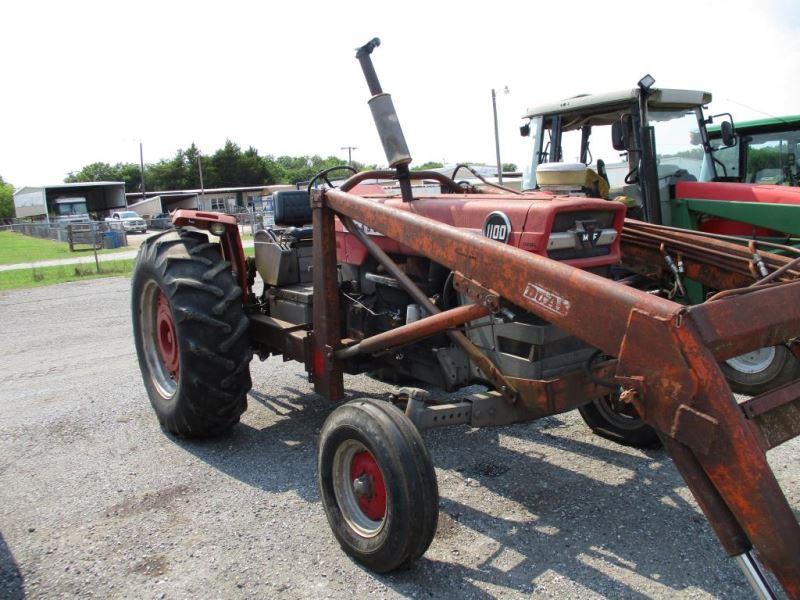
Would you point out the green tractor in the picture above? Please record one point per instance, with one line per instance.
(657, 151)
(765, 152)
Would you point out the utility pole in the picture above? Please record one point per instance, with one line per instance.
(141, 168)
(349, 153)
(497, 135)
(202, 188)
(497, 138)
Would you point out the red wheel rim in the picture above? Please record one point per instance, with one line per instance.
(166, 338)
(367, 481)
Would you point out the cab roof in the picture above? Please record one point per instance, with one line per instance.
(604, 109)
(768, 125)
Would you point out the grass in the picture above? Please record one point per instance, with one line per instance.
(39, 276)
(16, 248)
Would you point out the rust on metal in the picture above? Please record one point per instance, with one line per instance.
(771, 400)
(729, 532)
(280, 337)
(477, 292)
(230, 241)
(326, 371)
(568, 392)
(509, 271)
(415, 330)
(487, 367)
(668, 354)
(448, 185)
(763, 317)
(775, 415)
(647, 261)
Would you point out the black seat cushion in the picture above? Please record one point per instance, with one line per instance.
(292, 208)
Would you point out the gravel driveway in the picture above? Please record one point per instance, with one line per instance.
(96, 501)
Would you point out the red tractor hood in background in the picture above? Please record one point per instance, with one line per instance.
(531, 216)
(738, 192)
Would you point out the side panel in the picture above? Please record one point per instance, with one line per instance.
(738, 192)
(29, 203)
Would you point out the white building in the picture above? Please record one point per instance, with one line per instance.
(231, 199)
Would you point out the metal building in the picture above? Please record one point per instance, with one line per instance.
(70, 201)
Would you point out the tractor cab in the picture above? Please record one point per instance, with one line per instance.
(632, 145)
(766, 151)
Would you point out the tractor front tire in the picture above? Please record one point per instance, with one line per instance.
(377, 484)
(621, 425)
(757, 372)
(190, 332)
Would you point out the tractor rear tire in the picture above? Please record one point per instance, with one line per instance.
(190, 332)
(625, 428)
(377, 484)
(757, 372)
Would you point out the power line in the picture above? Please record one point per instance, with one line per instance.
(756, 110)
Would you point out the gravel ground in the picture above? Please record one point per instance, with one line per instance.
(96, 501)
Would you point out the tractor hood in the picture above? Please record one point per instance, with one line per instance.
(581, 231)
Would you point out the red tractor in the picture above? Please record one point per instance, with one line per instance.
(534, 295)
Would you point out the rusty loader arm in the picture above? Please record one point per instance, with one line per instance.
(667, 363)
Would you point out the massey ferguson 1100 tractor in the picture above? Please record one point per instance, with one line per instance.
(538, 296)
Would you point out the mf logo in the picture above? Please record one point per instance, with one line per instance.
(589, 237)
(497, 227)
(587, 233)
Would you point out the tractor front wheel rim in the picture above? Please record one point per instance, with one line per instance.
(753, 362)
(359, 488)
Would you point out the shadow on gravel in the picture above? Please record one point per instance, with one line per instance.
(602, 535)
(276, 458)
(608, 532)
(12, 587)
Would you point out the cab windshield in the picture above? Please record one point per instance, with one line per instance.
(680, 153)
(679, 145)
(772, 158)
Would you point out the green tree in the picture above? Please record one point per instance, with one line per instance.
(509, 168)
(762, 158)
(99, 171)
(129, 173)
(296, 169)
(228, 166)
(431, 164)
(168, 174)
(6, 199)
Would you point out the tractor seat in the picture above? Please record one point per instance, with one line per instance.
(292, 208)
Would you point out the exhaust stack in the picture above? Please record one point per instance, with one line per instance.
(386, 121)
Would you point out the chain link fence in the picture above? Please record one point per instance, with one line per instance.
(68, 232)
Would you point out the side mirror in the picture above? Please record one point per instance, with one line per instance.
(618, 135)
(525, 130)
(728, 135)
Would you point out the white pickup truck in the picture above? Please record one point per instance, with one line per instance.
(129, 221)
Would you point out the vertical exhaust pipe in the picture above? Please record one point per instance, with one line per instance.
(386, 121)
